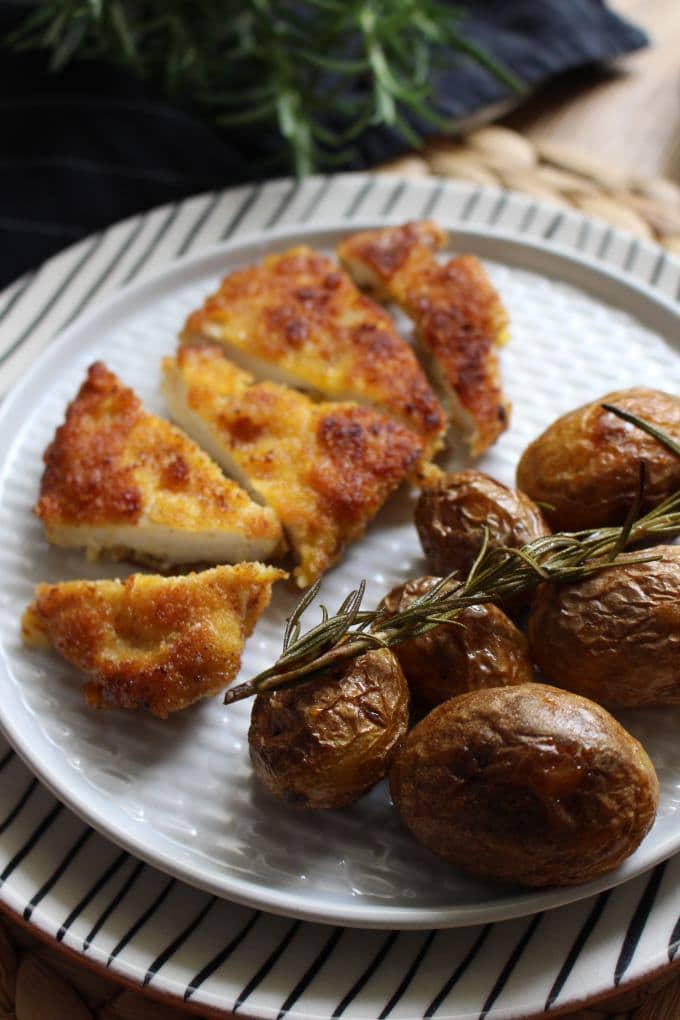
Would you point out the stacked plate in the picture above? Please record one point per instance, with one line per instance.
(219, 895)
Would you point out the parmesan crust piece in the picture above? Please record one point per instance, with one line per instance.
(325, 469)
(298, 319)
(152, 642)
(457, 313)
(120, 480)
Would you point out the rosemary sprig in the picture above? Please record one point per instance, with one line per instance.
(320, 72)
(496, 574)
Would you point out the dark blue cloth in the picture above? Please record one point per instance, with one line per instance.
(88, 146)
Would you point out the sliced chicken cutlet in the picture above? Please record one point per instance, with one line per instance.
(325, 469)
(297, 318)
(457, 313)
(120, 480)
(152, 642)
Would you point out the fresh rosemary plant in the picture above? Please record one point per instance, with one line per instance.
(496, 574)
(319, 71)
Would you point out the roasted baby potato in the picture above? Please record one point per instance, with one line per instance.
(451, 516)
(586, 464)
(614, 637)
(483, 649)
(525, 784)
(325, 743)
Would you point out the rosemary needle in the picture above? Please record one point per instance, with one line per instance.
(496, 574)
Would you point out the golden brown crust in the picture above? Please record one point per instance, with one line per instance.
(614, 637)
(525, 784)
(86, 477)
(457, 312)
(152, 642)
(586, 464)
(325, 469)
(113, 463)
(327, 742)
(301, 315)
(377, 258)
(483, 648)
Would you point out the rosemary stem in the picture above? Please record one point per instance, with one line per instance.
(286, 678)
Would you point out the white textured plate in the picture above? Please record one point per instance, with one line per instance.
(180, 793)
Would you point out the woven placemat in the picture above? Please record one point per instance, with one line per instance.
(648, 207)
(40, 981)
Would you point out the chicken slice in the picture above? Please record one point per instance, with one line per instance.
(152, 642)
(325, 469)
(120, 480)
(297, 318)
(458, 316)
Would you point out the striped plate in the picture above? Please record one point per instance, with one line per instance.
(79, 888)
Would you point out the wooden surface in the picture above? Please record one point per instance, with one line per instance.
(629, 115)
(657, 1000)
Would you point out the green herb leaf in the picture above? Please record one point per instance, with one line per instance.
(321, 72)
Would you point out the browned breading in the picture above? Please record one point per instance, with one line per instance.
(117, 477)
(152, 642)
(325, 469)
(297, 318)
(458, 316)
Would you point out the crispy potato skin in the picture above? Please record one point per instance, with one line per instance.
(451, 516)
(486, 651)
(614, 637)
(525, 784)
(586, 464)
(325, 743)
